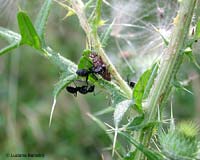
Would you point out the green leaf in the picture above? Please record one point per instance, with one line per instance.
(143, 86)
(136, 121)
(11, 37)
(150, 154)
(85, 62)
(27, 30)
(68, 74)
(120, 109)
(154, 71)
(197, 34)
(41, 20)
(66, 79)
(68, 8)
(143, 125)
(58, 60)
(86, 52)
(8, 48)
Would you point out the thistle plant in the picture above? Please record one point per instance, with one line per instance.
(142, 105)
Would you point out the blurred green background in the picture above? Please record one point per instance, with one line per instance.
(27, 79)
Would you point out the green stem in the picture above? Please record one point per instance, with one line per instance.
(78, 6)
(169, 66)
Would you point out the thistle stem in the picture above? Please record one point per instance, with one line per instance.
(170, 64)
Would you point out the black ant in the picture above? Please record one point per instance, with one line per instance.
(82, 89)
(83, 73)
(131, 83)
(72, 90)
(86, 73)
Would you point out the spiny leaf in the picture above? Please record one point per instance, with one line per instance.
(119, 112)
(64, 64)
(69, 9)
(100, 124)
(143, 86)
(66, 78)
(136, 121)
(143, 125)
(41, 20)
(68, 74)
(105, 128)
(150, 154)
(27, 30)
(11, 37)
